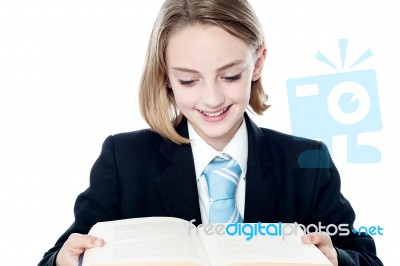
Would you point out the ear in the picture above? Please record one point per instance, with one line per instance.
(259, 64)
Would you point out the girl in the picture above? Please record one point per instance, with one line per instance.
(203, 69)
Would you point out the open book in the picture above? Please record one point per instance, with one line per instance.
(156, 241)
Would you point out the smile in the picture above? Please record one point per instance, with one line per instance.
(215, 113)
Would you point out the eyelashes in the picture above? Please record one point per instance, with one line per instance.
(189, 83)
(233, 78)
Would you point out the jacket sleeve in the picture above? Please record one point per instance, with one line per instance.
(100, 202)
(331, 207)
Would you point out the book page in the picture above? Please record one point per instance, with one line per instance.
(145, 241)
(232, 250)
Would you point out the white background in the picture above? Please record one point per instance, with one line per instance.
(69, 72)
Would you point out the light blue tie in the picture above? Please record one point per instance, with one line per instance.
(222, 175)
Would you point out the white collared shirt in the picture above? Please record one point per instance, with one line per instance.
(203, 154)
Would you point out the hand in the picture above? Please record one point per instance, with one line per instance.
(324, 243)
(75, 245)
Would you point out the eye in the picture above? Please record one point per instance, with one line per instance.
(187, 83)
(233, 78)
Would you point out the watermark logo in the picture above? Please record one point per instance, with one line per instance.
(343, 103)
(283, 230)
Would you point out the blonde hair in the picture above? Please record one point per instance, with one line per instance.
(157, 104)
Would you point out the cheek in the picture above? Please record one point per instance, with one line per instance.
(184, 98)
(240, 92)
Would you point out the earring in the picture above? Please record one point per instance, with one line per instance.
(256, 76)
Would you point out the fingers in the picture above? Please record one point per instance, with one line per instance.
(75, 245)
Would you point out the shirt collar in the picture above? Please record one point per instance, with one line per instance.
(203, 153)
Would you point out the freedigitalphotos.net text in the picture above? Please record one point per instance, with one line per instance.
(250, 230)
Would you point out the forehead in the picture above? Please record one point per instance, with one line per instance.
(204, 45)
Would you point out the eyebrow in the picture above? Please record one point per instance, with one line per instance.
(234, 63)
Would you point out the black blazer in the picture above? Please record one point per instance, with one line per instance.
(141, 174)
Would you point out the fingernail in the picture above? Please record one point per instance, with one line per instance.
(98, 242)
(306, 239)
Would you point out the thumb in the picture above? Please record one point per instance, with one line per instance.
(316, 238)
(90, 241)
(307, 239)
(79, 242)
(324, 243)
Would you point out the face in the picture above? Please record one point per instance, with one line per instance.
(210, 72)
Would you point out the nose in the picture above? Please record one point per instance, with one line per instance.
(213, 96)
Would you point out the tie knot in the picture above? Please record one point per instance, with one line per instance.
(224, 167)
(223, 161)
(222, 157)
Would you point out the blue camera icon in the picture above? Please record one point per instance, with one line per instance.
(345, 103)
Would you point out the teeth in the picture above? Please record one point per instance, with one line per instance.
(215, 114)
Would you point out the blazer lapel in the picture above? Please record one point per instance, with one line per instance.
(178, 182)
(263, 188)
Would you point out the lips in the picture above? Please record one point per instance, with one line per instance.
(215, 114)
